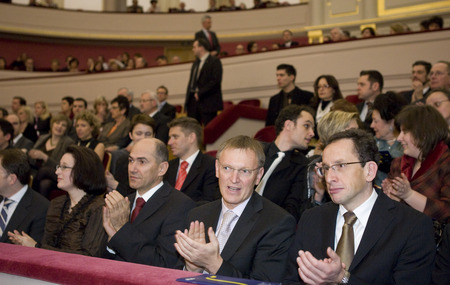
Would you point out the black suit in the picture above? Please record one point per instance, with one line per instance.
(132, 111)
(441, 272)
(368, 120)
(209, 87)
(397, 246)
(293, 44)
(299, 97)
(162, 130)
(29, 216)
(201, 181)
(286, 186)
(257, 247)
(168, 110)
(25, 143)
(216, 46)
(150, 238)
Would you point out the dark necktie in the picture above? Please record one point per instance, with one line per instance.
(193, 83)
(4, 215)
(346, 244)
(140, 202)
(369, 112)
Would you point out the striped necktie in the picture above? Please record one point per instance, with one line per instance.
(4, 214)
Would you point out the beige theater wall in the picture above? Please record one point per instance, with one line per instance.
(249, 76)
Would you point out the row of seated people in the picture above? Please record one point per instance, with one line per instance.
(259, 229)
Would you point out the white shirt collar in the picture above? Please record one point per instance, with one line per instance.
(190, 160)
(16, 139)
(147, 195)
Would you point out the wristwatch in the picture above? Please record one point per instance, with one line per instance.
(346, 277)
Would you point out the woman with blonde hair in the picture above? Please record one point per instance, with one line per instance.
(101, 110)
(42, 118)
(87, 127)
(26, 123)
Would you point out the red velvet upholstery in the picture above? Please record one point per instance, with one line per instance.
(67, 268)
(266, 134)
(227, 104)
(212, 153)
(228, 117)
(251, 102)
(353, 99)
(107, 160)
(179, 108)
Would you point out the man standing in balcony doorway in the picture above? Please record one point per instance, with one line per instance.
(204, 91)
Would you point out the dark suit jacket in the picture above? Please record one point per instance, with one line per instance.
(132, 111)
(150, 238)
(368, 121)
(209, 85)
(257, 247)
(25, 143)
(168, 110)
(397, 246)
(299, 97)
(293, 44)
(441, 272)
(216, 46)
(29, 216)
(201, 182)
(162, 130)
(286, 186)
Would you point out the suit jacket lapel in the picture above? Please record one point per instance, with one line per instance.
(172, 171)
(243, 226)
(379, 220)
(153, 204)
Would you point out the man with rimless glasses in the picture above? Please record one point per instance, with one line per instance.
(243, 234)
(362, 236)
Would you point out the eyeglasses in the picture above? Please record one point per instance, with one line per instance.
(241, 172)
(439, 103)
(338, 167)
(114, 107)
(63, 167)
(323, 86)
(145, 100)
(437, 73)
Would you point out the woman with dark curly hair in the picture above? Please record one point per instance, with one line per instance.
(74, 221)
(326, 91)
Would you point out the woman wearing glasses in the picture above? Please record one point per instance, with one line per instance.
(74, 221)
(326, 90)
(421, 177)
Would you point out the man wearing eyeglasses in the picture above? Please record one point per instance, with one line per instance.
(362, 237)
(243, 234)
(440, 75)
(149, 105)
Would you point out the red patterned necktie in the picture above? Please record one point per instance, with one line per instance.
(181, 175)
(140, 202)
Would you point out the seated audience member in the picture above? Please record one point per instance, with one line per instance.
(326, 91)
(29, 64)
(440, 99)
(141, 226)
(154, 8)
(6, 134)
(47, 152)
(23, 207)
(337, 35)
(74, 221)
(284, 180)
(3, 113)
(79, 105)
(289, 93)
(87, 128)
(239, 49)
(420, 177)
(164, 107)
(191, 172)
(98, 66)
(17, 103)
(132, 110)
(114, 131)
(370, 85)
(368, 32)
(441, 272)
(244, 235)
(142, 126)
(362, 237)
(101, 110)
(258, 4)
(287, 40)
(212, 6)
(344, 106)
(231, 7)
(420, 81)
(398, 28)
(435, 23)
(26, 123)
(42, 118)
(161, 60)
(55, 65)
(3, 64)
(66, 107)
(385, 107)
(149, 106)
(73, 65)
(176, 59)
(424, 25)
(130, 64)
(19, 141)
(140, 62)
(135, 8)
(440, 75)
(252, 47)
